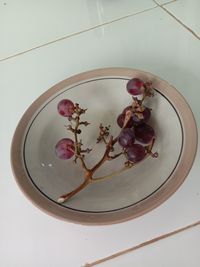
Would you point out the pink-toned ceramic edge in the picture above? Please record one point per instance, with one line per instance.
(173, 183)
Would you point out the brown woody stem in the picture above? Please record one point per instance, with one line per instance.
(65, 197)
(88, 175)
(104, 132)
(115, 156)
(106, 154)
(110, 175)
(75, 133)
(149, 153)
(77, 150)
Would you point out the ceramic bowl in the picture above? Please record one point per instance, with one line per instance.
(43, 177)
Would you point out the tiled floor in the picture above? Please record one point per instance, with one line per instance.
(180, 250)
(37, 24)
(144, 36)
(187, 12)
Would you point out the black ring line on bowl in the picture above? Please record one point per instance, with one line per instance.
(107, 211)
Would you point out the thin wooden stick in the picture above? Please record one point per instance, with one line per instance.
(146, 243)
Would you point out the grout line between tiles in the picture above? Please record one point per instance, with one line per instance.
(178, 20)
(141, 245)
(167, 3)
(77, 33)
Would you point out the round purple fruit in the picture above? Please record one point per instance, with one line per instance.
(65, 108)
(144, 133)
(65, 148)
(136, 153)
(134, 86)
(126, 138)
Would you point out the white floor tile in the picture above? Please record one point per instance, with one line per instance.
(179, 250)
(26, 24)
(187, 12)
(152, 41)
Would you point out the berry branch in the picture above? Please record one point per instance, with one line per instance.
(133, 123)
(103, 133)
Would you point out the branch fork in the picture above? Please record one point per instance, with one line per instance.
(109, 141)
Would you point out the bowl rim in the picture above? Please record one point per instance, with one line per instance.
(171, 185)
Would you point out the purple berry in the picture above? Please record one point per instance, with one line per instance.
(120, 121)
(134, 86)
(135, 153)
(144, 133)
(146, 116)
(126, 138)
(65, 148)
(65, 108)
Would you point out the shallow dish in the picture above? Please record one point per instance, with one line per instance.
(43, 177)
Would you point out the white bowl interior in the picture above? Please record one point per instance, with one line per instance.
(105, 98)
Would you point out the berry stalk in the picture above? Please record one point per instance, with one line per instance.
(136, 137)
